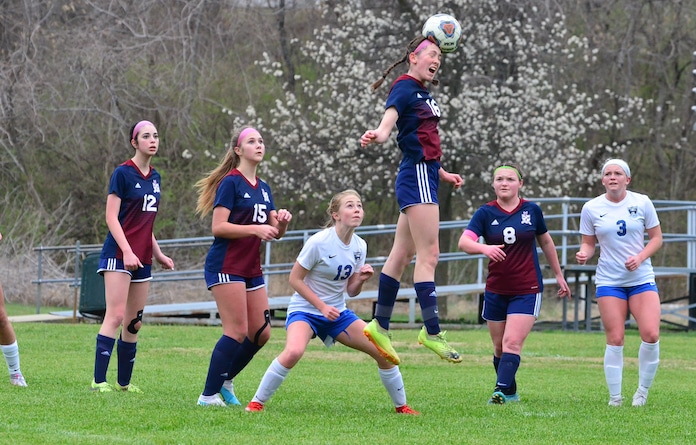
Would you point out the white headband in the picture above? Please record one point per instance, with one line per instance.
(621, 163)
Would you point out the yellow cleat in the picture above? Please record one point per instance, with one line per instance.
(438, 344)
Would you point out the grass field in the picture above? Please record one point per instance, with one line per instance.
(335, 396)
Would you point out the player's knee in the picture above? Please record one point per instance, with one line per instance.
(650, 337)
(292, 356)
(429, 257)
(113, 320)
(135, 323)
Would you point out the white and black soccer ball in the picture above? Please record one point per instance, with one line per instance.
(444, 30)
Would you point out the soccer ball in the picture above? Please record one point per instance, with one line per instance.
(444, 30)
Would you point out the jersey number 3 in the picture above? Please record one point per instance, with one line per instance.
(622, 227)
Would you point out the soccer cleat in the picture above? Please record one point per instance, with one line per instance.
(17, 379)
(227, 393)
(640, 398)
(616, 400)
(129, 388)
(498, 398)
(253, 407)
(406, 410)
(101, 387)
(213, 400)
(438, 344)
(381, 338)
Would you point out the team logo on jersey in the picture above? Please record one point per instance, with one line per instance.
(155, 187)
(247, 196)
(526, 218)
(265, 195)
(137, 185)
(495, 222)
(357, 255)
(633, 211)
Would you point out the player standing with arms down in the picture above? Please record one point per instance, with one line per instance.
(331, 262)
(126, 257)
(415, 113)
(624, 279)
(244, 214)
(8, 343)
(511, 228)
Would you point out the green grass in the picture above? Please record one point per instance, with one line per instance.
(335, 396)
(24, 309)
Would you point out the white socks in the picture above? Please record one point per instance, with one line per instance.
(613, 369)
(394, 383)
(648, 359)
(11, 353)
(271, 381)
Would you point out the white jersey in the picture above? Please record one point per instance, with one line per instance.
(330, 263)
(620, 230)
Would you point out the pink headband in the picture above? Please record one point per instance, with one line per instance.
(422, 46)
(138, 126)
(244, 134)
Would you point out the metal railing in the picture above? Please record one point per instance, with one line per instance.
(560, 214)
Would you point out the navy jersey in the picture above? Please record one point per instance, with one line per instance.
(419, 115)
(248, 204)
(519, 273)
(140, 197)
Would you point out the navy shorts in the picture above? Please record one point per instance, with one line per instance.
(417, 184)
(624, 293)
(324, 328)
(497, 307)
(215, 278)
(116, 265)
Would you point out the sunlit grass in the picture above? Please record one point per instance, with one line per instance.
(335, 396)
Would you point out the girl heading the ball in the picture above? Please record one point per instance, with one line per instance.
(416, 114)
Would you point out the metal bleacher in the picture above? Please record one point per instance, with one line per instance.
(561, 214)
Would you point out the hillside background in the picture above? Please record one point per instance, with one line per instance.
(557, 87)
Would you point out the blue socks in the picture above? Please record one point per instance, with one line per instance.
(245, 353)
(386, 297)
(105, 346)
(507, 368)
(126, 360)
(220, 364)
(427, 298)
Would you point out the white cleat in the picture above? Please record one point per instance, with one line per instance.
(17, 379)
(214, 400)
(640, 398)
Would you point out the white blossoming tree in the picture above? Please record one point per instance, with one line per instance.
(507, 95)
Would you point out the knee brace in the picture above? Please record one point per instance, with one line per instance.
(131, 327)
(267, 322)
